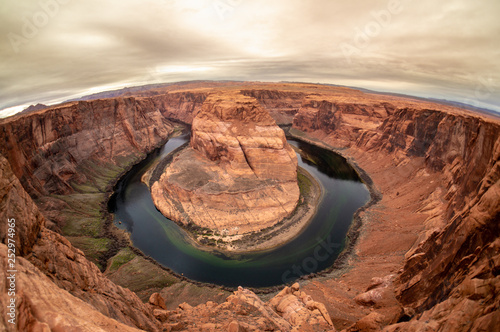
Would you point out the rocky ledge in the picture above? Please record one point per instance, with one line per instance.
(290, 310)
(427, 259)
(238, 176)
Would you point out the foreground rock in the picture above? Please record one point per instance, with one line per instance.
(42, 306)
(290, 310)
(56, 287)
(239, 174)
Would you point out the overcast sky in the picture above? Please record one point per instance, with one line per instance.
(52, 50)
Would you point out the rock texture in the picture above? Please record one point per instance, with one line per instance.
(290, 310)
(242, 173)
(49, 150)
(42, 306)
(68, 268)
(56, 286)
(341, 117)
(181, 106)
(458, 265)
(282, 105)
(16, 207)
(440, 168)
(427, 258)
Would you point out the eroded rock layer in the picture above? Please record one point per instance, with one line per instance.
(438, 168)
(239, 174)
(427, 260)
(52, 149)
(290, 310)
(56, 287)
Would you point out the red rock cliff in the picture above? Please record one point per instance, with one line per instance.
(282, 105)
(450, 274)
(56, 286)
(182, 106)
(49, 149)
(16, 203)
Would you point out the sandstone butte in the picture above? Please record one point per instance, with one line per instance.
(239, 174)
(426, 259)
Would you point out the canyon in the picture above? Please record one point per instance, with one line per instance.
(426, 256)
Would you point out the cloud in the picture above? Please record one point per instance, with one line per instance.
(67, 47)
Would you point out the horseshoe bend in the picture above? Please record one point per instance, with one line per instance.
(423, 254)
(239, 174)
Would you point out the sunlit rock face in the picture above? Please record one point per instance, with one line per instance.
(428, 257)
(239, 174)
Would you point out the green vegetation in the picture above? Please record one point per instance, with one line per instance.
(101, 175)
(305, 184)
(83, 219)
(82, 214)
(140, 276)
(122, 257)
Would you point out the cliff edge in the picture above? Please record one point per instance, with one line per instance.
(427, 258)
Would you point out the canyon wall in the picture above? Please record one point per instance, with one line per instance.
(433, 237)
(56, 286)
(15, 202)
(282, 105)
(181, 106)
(461, 146)
(49, 150)
(457, 266)
(450, 273)
(344, 121)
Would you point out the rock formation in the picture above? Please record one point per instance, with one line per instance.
(440, 167)
(42, 306)
(56, 286)
(428, 257)
(239, 174)
(15, 202)
(52, 149)
(282, 105)
(290, 310)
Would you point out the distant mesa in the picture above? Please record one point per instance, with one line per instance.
(239, 174)
(33, 108)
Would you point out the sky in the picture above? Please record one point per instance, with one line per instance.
(54, 50)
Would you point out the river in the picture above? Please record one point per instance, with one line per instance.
(315, 249)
